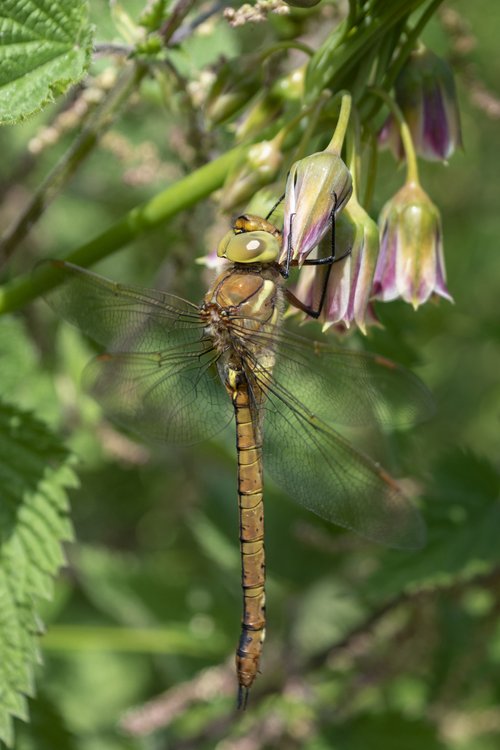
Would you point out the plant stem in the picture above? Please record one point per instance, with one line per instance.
(411, 157)
(337, 141)
(163, 206)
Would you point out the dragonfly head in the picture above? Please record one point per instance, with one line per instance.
(250, 247)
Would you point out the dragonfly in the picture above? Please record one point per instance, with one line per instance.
(178, 372)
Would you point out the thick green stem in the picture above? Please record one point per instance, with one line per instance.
(177, 197)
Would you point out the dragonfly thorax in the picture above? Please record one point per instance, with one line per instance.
(243, 303)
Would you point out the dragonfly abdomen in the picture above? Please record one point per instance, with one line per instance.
(251, 513)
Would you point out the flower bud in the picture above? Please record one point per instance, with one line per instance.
(411, 261)
(317, 187)
(349, 289)
(425, 92)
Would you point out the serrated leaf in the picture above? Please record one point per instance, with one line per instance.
(45, 47)
(463, 517)
(34, 473)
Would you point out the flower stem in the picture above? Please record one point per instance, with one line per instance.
(335, 144)
(371, 172)
(411, 157)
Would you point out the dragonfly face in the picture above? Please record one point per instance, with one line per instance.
(286, 395)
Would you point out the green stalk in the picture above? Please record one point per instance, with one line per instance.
(163, 206)
(411, 157)
(371, 172)
(337, 140)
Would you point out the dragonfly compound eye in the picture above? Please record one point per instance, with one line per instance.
(249, 247)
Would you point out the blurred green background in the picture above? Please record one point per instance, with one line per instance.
(366, 648)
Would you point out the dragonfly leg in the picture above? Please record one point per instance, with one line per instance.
(309, 310)
(315, 312)
(280, 200)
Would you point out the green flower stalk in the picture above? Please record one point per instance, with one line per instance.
(426, 94)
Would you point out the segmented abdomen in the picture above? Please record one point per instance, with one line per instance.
(251, 511)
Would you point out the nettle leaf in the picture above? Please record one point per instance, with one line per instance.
(45, 47)
(34, 472)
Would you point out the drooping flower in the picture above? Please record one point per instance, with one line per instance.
(426, 94)
(349, 288)
(317, 188)
(411, 261)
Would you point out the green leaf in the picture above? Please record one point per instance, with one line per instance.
(34, 472)
(45, 47)
(463, 517)
(21, 377)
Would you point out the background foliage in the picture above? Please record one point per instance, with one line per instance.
(366, 648)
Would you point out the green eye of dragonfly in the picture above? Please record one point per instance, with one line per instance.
(249, 247)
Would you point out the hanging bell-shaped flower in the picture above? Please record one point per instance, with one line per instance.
(426, 94)
(411, 261)
(349, 289)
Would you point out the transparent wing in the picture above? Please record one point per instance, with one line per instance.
(310, 460)
(344, 387)
(159, 377)
(171, 396)
(325, 474)
(121, 318)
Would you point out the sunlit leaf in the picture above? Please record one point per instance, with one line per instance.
(44, 48)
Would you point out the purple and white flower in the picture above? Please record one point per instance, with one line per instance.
(411, 262)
